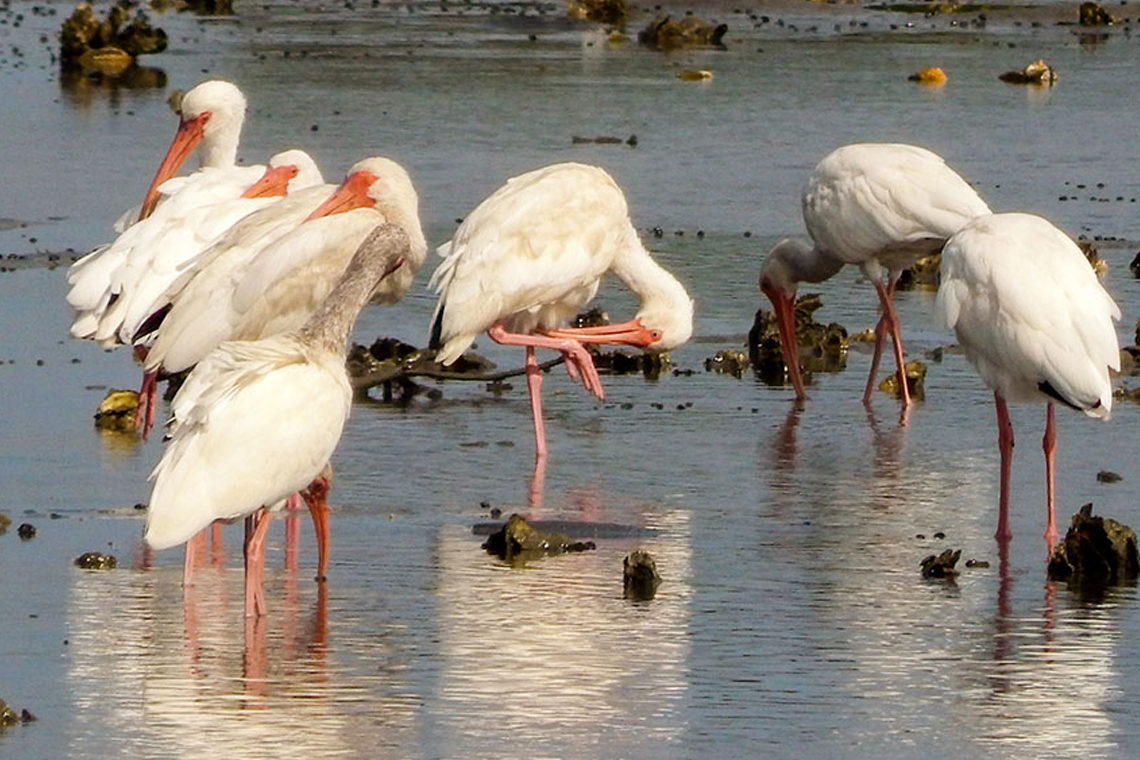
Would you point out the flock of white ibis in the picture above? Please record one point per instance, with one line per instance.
(252, 277)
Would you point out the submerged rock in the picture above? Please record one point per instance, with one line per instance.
(822, 348)
(96, 561)
(518, 542)
(915, 372)
(922, 275)
(108, 46)
(639, 576)
(1091, 14)
(729, 361)
(941, 565)
(116, 411)
(1037, 72)
(691, 31)
(1096, 552)
(599, 11)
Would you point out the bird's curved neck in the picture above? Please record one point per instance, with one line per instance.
(654, 286)
(381, 253)
(219, 149)
(814, 265)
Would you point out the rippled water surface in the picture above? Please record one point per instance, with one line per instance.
(792, 620)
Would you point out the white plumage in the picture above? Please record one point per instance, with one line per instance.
(880, 206)
(1034, 320)
(257, 421)
(275, 267)
(195, 211)
(526, 260)
(210, 121)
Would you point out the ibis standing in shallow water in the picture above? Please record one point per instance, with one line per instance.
(257, 421)
(525, 261)
(1034, 320)
(881, 206)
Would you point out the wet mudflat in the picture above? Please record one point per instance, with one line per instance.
(792, 617)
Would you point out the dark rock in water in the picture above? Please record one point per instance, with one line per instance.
(595, 317)
(691, 31)
(1037, 72)
(1134, 267)
(8, 716)
(116, 411)
(822, 348)
(599, 11)
(915, 377)
(26, 531)
(1107, 476)
(941, 565)
(1091, 14)
(729, 361)
(977, 563)
(108, 46)
(96, 561)
(619, 362)
(518, 542)
(639, 576)
(1096, 552)
(922, 275)
(197, 7)
(1092, 255)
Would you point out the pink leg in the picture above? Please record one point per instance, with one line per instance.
(217, 549)
(316, 497)
(256, 527)
(577, 357)
(880, 334)
(890, 319)
(534, 385)
(144, 414)
(1005, 448)
(1049, 444)
(194, 549)
(292, 531)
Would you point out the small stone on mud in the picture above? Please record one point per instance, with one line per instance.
(1107, 476)
(941, 565)
(977, 563)
(26, 531)
(96, 561)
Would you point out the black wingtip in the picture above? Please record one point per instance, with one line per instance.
(434, 342)
(1047, 388)
(151, 323)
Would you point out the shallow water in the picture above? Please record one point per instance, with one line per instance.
(792, 618)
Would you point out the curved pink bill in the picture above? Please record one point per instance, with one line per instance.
(631, 333)
(352, 194)
(185, 140)
(784, 307)
(275, 182)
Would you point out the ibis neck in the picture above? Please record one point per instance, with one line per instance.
(378, 256)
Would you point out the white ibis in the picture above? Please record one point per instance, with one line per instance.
(257, 421)
(158, 250)
(211, 117)
(881, 206)
(527, 258)
(1034, 320)
(270, 271)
